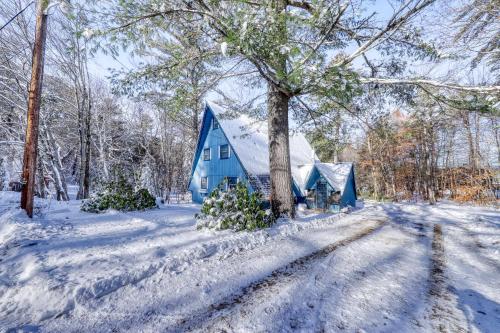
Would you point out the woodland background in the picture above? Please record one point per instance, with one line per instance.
(408, 142)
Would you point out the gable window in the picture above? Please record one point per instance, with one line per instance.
(231, 182)
(224, 152)
(215, 124)
(206, 154)
(204, 183)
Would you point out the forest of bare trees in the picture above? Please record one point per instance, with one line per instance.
(412, 136)
(87, 134)
(249, 166)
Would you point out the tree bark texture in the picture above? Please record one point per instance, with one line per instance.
(84, 119)
(54, 157)
(281, 196)
(282, 202)
(34, 100)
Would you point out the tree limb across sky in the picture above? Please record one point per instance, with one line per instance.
(433, 83)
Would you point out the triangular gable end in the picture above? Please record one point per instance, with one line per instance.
(206, 124)
(328, 171)
(249, 138)
(199, 143)
(251, 149)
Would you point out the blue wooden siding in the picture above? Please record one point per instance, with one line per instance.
(348, 197)
(215, 169)
(313, 178)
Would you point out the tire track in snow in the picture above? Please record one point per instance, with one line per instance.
(284, 274)
(442, 315)
(473, 242)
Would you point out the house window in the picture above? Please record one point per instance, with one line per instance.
(206, 154)
(215, 124)
(224, 152)
(231, 182)
(204, 183)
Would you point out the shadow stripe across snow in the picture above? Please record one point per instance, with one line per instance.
(214, 311)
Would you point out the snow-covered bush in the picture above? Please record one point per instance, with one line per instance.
(119, 195)
(235, 209)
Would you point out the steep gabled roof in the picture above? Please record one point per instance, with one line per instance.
(249, 139)
(337, 174)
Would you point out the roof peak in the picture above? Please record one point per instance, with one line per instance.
(249, 139)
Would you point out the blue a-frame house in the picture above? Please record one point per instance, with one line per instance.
(236, 149)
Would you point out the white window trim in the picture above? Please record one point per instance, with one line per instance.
(203, 190)
(228, 151)
(209, 154)
(227, 183)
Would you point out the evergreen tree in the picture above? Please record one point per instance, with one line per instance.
(298, 48)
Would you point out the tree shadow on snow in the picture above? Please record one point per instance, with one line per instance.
(482, 313)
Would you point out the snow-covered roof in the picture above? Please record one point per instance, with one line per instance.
(249, 139)
(301, 175)
(337, 174)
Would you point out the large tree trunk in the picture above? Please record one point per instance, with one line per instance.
(282, 202)
(84, 131)
(54, 155)
(82, 86)
(42, 185)
(86, 177)
(35, 94)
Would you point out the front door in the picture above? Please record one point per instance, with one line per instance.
(321, 195)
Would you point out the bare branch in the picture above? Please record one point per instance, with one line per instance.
(323, 38)
(393, 25)
(420, 82)
(301, 4)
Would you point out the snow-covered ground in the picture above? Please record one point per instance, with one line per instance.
(384, 268)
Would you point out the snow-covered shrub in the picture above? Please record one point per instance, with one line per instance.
(119, 195)
(235, 209)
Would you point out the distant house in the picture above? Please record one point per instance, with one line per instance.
(236, 149)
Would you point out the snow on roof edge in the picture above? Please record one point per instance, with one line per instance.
(252, 147)
(337, 174)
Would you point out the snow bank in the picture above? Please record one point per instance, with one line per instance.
(65, 258)
(225, 245)
(68, 271)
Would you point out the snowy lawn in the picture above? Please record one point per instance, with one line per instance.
(393, 267)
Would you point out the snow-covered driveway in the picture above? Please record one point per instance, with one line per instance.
(386, 268)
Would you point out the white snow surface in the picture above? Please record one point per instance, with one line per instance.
(336, 174)
(152, 271)
(249, 138)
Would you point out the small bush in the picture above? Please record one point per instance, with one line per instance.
(119, 195)
(235, 209)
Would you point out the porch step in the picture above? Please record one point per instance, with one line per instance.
(261, 183)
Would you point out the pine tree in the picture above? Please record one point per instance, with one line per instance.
(298, 48)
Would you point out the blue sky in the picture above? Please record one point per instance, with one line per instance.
(101, 63)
